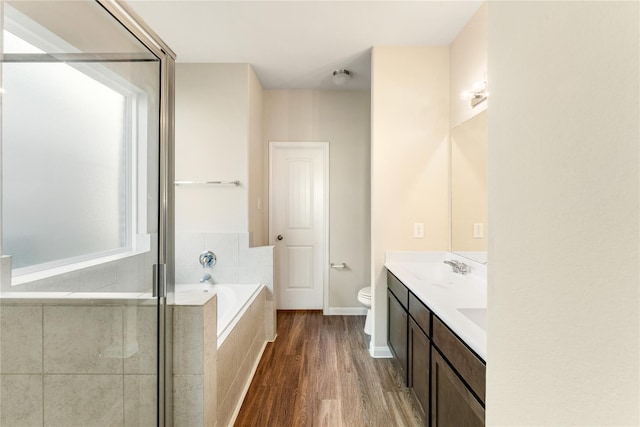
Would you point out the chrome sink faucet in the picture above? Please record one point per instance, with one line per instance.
(458, 267)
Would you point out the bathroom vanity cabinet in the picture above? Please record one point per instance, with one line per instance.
(445, 377)
(397, 303)
(458, 381)
(419, 348)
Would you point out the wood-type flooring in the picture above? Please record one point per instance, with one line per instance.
(318, 372)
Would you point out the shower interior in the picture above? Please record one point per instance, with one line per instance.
(87, 122)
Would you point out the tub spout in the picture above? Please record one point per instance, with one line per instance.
(205, 278)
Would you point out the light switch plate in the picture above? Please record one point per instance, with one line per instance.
(478, 230)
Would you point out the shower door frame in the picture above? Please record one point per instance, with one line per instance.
(166, 253)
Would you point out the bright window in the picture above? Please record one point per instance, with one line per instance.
(72, 137)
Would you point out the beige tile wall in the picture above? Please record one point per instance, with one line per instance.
(21, 402)
(194, 364)
(95, 365)
(77, 365)
(209, 382)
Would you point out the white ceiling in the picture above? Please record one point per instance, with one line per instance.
(298, 44)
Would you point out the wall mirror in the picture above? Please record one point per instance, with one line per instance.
(469, 188)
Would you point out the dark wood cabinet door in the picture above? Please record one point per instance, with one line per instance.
(464, 361)
(452, 404)
(419, 366)
(397, 332)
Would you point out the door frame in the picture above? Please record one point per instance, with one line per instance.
(324, 145)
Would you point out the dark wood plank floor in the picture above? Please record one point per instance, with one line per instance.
(319, 372)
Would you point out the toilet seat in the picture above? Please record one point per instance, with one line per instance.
(364, 296)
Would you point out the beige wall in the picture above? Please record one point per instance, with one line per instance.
(343, 119)
(258, 236)
(563, 295)
(212, 143)
(468, 62)
(409, 159)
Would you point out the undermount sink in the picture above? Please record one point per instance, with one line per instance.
(438, 273)
(476, 315)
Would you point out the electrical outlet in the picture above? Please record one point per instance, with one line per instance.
(478, 230)
(418, 230)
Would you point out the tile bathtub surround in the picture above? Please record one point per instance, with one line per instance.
(21, 403)
(210, 392)
(188, 340)
(208, 382)
(140, 339)
(189, 246)
(139, 404)
(188, 400)
(195, 363)
(83, 400)
(83, 340)
(21, 339)
(5, 273)
(237, 263)
(97, 362)
(256, 264)
(238, 355)
(227, 250)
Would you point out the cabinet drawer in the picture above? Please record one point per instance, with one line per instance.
(468, 365)
(420, 313)
(399, 290)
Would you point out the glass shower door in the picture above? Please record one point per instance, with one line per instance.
(86, 114)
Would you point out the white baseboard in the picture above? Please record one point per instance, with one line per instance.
(346, 311)
(380, 352)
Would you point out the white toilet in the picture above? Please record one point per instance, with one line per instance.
(364, 296)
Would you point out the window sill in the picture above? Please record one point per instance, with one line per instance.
(143, 245)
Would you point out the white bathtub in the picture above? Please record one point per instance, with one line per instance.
(233, 301)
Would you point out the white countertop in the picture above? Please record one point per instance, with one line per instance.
(446, 293)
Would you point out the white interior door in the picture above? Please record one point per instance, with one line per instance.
(298, 218)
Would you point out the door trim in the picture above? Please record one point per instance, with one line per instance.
(273, 145)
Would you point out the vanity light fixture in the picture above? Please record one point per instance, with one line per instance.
(341, 77)
(477, 94)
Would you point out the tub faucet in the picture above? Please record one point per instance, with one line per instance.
(458, 267)
(206, 277)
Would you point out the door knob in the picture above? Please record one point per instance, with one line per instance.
(279, 237)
